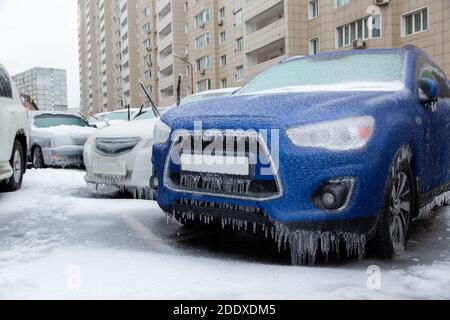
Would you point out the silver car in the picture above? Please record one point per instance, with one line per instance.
(57, 139)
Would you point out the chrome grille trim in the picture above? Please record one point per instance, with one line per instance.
(115, 146)
(238, 134)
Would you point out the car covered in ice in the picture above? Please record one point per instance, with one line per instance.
(13, 134)
(57, 139)
(118, 159)
(106, 119)
(317, 152)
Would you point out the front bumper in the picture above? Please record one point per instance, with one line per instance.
(64, 156)
(138, 172)
(301, 172)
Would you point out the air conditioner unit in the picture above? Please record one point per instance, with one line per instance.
(150, 64)
(359, 44)
(220, 23)
(202, 25)
(186, 55)
(149, 49)
(381, 2)
(203, 72)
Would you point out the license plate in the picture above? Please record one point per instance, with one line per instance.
(238, 166)
(115, 168)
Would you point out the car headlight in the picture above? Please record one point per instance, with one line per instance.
(340, 135)
(161, 132)
(61, 141)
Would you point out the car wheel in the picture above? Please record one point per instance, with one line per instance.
(38, 158)
(399, 204)
(18, 164)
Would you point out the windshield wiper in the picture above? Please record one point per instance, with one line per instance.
(154, 108)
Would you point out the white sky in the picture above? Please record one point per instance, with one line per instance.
(41, 33)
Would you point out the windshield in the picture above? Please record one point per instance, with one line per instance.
(123, 115)
(49, 120)
(148, 114)
(375, 71)
(203, 97)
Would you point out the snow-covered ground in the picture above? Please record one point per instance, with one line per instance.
(59, 242)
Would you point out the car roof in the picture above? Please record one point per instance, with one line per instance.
(116, 111)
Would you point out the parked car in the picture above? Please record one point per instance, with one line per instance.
(57, 139)
(13, 134)
(106, 119)
(118, 159)
(336, 148)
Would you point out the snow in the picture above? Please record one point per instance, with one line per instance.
(66, 130)
(59, 241)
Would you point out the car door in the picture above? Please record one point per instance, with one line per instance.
(438, 135)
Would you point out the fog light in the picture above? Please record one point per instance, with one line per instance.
(154, 182)
(333, 195)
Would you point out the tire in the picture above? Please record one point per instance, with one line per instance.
(18, 163)
(37, 158)
(399, 207)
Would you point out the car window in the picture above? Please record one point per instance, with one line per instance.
(145, 115)
(357, 71)
(50, 120)
(5, 85)
(116, 116)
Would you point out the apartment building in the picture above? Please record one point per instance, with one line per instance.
(223, 43)
(47, 87)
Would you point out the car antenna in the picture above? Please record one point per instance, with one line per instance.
(180, 78)
(154, 108)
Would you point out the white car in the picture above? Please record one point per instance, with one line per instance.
(118, 158)
(57, 139)
(13, 134)
(106, 119)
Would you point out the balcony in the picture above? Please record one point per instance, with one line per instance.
(265, 36)
(265, 18)
(266, 53)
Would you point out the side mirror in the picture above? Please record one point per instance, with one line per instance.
(429, 91)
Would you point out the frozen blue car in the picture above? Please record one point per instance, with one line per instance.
(320, 153)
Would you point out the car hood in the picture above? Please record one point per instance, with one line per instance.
(64, 131)
(282, 109)
(138, 128)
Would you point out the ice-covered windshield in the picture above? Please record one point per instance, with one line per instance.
(123, 115)
(146, 115)
(374, 71)
(203, 97)
(49, 120)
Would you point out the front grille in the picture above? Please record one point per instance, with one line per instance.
(114, 146)
(230, 143)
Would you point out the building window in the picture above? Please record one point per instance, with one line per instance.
(314, 46)
(358, 30)
(201, 19)
(147, 12)
(239, 73)
(223, 83)
(415, 22)
(147, 44)
(313, 9)
(238, 17)
(204, 85)
(340, 3)
(204, 63)
(148, 28)
(223, 60)
(222, 13)
(147, 74)
(239, 45)
(202, 41)
(222, 37)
